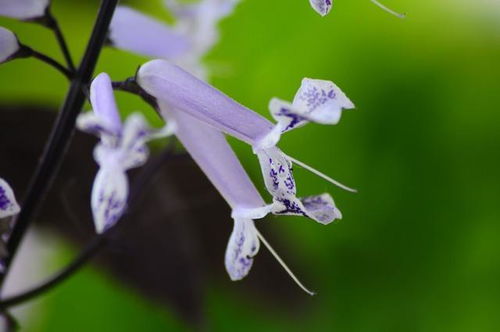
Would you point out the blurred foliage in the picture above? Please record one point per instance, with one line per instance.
(418, 248)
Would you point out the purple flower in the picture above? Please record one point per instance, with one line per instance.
(9, 44)
(209, 148)
(179, 90)
(23, 9)
(322, 7)
(133, 31)
(199, 20)
(121, 147)
(8, 203)
(186, 42)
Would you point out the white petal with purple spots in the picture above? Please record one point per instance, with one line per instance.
(287, 116)
(320, 208)
(277, 173)
(8, 203)
(322, 7)
(109, 197)
(321, 101)
(243, 245)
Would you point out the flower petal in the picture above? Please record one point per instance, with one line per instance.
(182, 91)
(133, 31)
(321, 101)
(90, 123)
(8, 203)
(9, 44)
(243, 245)
(103, 103)
(320, 208)
(135, 134)
(322, 7)
(23, 9)
(286, 115)
(277, 172)
(109, 196)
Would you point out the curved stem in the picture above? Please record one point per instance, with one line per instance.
(51, 62)
(130, 85)
(90, 250)
(60, 136)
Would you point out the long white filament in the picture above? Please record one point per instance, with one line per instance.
(282, 263)
(387, 9)
(321, 175)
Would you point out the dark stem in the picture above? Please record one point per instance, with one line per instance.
(52, 24)
(130, 85)
(60, 136)
(48, 60)
(90, 250)
(98, 242)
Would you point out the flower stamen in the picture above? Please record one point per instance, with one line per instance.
(321, 175)
(387, 9)
(282, 263)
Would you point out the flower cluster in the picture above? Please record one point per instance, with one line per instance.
(121, 147)
(202, 115)
(198, 114)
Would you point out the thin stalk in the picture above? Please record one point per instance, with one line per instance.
(86, 254)
(54, 26)
(60, 136)
(387, 9)
(51, 62)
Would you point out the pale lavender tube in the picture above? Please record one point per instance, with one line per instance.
(214, 155)
(180, 90)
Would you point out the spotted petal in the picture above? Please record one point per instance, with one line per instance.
(133, 31)
(8, 203)
(242, 247)
(320, 208)
(9, 44)
(321, 101)
(322, 7)
(287, 116)
(109, 196)
(277, 172)
(23, 9)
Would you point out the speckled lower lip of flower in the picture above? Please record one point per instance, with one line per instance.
(121, 147)
(8, 203)
(316, 100)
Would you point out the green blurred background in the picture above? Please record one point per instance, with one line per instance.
(418, 247)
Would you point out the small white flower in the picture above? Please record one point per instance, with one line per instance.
(121, 147)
